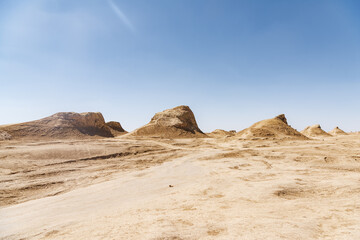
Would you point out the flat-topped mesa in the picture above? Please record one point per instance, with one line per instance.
(315, 131)
(116, 128)
(178, 122)
(274, 128)
(337, 131)
(62, 125)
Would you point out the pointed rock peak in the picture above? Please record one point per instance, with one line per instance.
(314, 131)
(337, 131)
(282, 118)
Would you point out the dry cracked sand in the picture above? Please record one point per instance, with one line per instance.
(198, 188)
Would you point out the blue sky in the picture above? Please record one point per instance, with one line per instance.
(233, 62)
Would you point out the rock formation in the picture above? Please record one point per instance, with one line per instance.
(315, 131)
(178, 122)
(221, 133)
(4, 136)
(62, 125)
(337, 131)
(116, 128)
(274, 128)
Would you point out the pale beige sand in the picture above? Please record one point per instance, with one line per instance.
(222, 189)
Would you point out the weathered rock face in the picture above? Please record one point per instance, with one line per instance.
(282, 118)
(171, 123)
(62, 125)
(79, 120)
(274, 128)
(4, 136)
(116, 128)
(315, 131)
(337, 131)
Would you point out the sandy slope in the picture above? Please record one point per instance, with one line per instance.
(222, 189)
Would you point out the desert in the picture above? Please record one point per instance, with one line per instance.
(173, 181)
(179, 120)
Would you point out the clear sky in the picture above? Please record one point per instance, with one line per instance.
(234, 62)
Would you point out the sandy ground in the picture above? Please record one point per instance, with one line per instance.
(220, 189)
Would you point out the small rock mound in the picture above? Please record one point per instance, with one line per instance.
(116, 128)
(315, 131)
(4, 136)
(221, 133)
(275, 128)
(62, 125)
(178, 122)
(337, 131)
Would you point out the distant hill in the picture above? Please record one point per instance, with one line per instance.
(178, 122)
(62, 125)
(276, 128)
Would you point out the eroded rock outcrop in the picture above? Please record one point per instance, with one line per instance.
(337, 131)
(4, 136)
(116, 128)
(178, 122)
(62, 125)
(315, 131)
(274, 128)
(221, 133)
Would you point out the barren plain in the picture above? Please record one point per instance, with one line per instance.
(196, 188)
